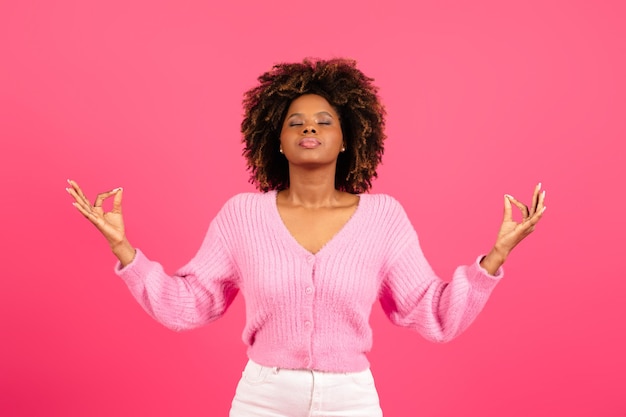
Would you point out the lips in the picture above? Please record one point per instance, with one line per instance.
(309, 143)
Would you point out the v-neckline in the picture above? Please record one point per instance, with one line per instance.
(280, 224)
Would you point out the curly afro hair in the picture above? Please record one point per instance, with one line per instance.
(351, 94)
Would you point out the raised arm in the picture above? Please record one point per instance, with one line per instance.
(196, 294)
(413, 296)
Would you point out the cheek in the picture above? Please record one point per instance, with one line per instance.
(339, 136)
(282, 134)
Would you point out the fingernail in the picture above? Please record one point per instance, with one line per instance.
(67, 189)
(544, 208)
(69, 181)
(539, 186)
(543, 194)
(509, 196)
(118, 189)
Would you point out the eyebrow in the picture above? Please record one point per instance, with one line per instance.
(316, 114)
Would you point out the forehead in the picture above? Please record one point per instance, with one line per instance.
(310, 103)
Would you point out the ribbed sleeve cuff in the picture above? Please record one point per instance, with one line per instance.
(480, 277)
(131, 270)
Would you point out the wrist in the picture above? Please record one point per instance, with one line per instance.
(493, 260)
(499, 253)
(124, 251)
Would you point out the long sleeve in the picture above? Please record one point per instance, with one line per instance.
(196, 294)
(413, 296)
(307, 310)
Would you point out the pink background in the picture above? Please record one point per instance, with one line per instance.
(484, 98)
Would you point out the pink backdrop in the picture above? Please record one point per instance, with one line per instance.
(484, 98)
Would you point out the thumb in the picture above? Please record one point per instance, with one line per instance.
(117, 200)
(508, 210)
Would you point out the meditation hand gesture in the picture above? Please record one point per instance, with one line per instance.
(110, 224)
(511, 232)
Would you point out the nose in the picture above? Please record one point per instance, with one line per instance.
(309, 129)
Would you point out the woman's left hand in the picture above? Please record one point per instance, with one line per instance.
(511, 232)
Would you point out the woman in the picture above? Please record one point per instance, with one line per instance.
(312, 252)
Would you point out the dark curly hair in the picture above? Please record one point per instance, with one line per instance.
(351, 94)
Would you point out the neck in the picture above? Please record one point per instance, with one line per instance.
(311, 188)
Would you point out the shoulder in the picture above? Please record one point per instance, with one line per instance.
(383, 204)
(387, 212)
(243, 205)
(242, 212)
(250, 200)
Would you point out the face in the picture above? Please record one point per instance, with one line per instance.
(311, 132)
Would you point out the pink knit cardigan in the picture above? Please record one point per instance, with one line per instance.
(304, 310)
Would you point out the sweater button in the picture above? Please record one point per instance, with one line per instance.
(307, 323)
(308, 290)
(310, 259)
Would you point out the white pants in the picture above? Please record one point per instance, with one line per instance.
(275, 392)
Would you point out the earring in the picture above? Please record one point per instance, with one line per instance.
(343, 149)
(280, 150)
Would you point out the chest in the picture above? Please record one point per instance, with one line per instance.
(314, 228)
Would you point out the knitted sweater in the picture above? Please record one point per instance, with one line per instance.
(304, 310)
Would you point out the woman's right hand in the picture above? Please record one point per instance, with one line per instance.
(110, 224)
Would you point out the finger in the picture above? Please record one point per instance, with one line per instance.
(520, 206)
(78, 199)
(541, 208)
(541, 198)
(103, 196)
(82, 209)
(79, 192)
(535, 200)
(88, 213)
